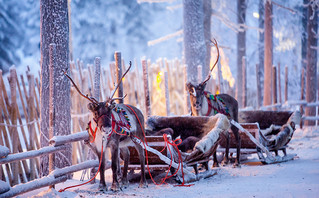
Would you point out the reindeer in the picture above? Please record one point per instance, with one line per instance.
(109, 119)
(203, 103)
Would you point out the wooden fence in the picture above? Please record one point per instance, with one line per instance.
(19, 101)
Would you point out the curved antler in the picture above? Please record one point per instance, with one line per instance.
(93, 100)
(119, 98)
(209, 74)
(117, 86)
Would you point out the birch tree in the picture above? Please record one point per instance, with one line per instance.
(194, 41)
(54, 28)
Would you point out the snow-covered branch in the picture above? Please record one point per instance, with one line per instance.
(164, 38)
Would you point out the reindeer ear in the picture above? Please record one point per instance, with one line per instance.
(92, 106)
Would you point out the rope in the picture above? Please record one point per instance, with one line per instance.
(62, 190)
(173, 143)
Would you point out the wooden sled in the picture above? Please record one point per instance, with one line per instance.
(254, 141)
(159, 159)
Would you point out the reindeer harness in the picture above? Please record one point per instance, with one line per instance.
(218, 106)
(120, 124)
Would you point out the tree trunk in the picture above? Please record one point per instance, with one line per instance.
(311, 74)
(55, 29)
(207, 35)
(268, 53)
(241, 48)
(194, 42)
(261, 46)
(304, 43)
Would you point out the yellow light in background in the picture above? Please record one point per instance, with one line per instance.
(225, 69)
(158, 81)
(256, 15)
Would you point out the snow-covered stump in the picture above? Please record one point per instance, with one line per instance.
(4, 152)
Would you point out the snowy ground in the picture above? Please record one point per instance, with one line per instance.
(297, 178)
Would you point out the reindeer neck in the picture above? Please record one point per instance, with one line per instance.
(205, 107)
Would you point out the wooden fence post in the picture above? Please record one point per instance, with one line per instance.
(279, 83)
(168, 111)
(286, 83)
(302, 97)
(274, 86)
(97, 78)
(146, 89)
(244, 80)
(52, 101)
(118, 64)
(186, 96)
(13, 130)
(258, 88)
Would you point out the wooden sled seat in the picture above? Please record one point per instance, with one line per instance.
(154, 162)
(247, 146)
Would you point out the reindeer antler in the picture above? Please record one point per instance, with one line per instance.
(93, 100)
(117, 86)
(209, 74)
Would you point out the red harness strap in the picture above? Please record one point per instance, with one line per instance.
(92, 132)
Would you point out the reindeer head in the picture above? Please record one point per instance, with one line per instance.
(102, 111)
(196, 92)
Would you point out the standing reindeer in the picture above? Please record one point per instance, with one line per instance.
(116, 126)
(203, 103)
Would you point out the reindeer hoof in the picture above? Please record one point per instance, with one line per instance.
(125, 184)
(102, 187)
(143, 185)
(216, 164)
(236, 165)
(115, 187)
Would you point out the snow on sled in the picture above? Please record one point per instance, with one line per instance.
(269, 131)
(209, 131)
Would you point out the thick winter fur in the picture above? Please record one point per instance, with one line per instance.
(190, 128)
(199, 107)
(102, 113)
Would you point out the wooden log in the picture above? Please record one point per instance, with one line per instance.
(33, 185)
(31, 154)
(146, 88)
(118, 71)
(13, 117)
(258, 88)
(61, 140)
(274, 85)
(71, 169)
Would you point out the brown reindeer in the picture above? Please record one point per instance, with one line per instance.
(203, 103)
(117, 125)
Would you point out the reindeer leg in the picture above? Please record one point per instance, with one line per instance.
(102, 185)
(237, 136)
(141, 154)
(115, 160)
(226, 157)
(216, 164)
(126, 156)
